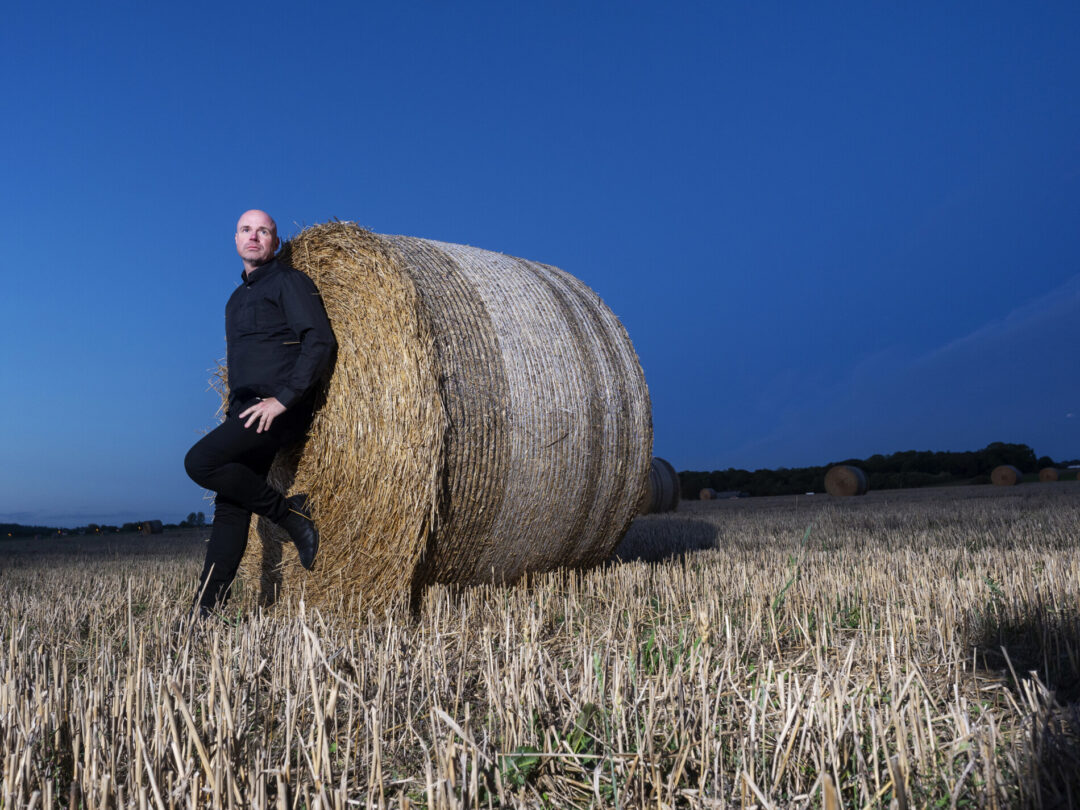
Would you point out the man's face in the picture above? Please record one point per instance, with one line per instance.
(256, 238)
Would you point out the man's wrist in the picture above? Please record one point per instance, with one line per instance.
(286, 396)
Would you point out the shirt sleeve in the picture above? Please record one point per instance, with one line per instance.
(306, 317)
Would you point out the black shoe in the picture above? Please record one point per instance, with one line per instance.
(302, 530)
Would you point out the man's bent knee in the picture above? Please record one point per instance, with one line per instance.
(197, 466)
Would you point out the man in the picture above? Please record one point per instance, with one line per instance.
(279, 346)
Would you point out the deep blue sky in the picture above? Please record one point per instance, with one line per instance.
(831, 230)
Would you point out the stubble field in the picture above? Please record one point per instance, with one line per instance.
(904, 649)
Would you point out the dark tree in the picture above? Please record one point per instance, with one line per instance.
(906, 468)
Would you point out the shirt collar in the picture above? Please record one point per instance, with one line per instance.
(261, 271)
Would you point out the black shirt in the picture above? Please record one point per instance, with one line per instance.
(279, 338)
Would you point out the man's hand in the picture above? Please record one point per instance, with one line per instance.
(264, 412)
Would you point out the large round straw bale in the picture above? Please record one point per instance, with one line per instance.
(661, 489)
(1005, 475)
(486, 417)
(846, 480)
(1048, 474)
(707, 494)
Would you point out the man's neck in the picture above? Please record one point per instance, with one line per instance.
(249, 268)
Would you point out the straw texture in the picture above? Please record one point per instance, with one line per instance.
(662, 491)
(1048, 474)
(845, 480)
(1005, 475)
(486, 417)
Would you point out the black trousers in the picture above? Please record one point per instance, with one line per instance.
(233, 461)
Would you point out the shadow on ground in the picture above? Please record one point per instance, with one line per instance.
(1036, 656)
(653, 539)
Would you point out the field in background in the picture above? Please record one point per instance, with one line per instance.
(917, 647)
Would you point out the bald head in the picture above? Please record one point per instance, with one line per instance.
(256, 238)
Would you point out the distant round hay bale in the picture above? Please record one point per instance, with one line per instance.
(486, 417)
(845, 480)
(151, 527)
(707, 494)
(1006, 475)
(1049, 474)
(661, 488)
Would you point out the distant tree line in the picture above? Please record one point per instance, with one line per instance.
(910, 468)
(194, 520)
